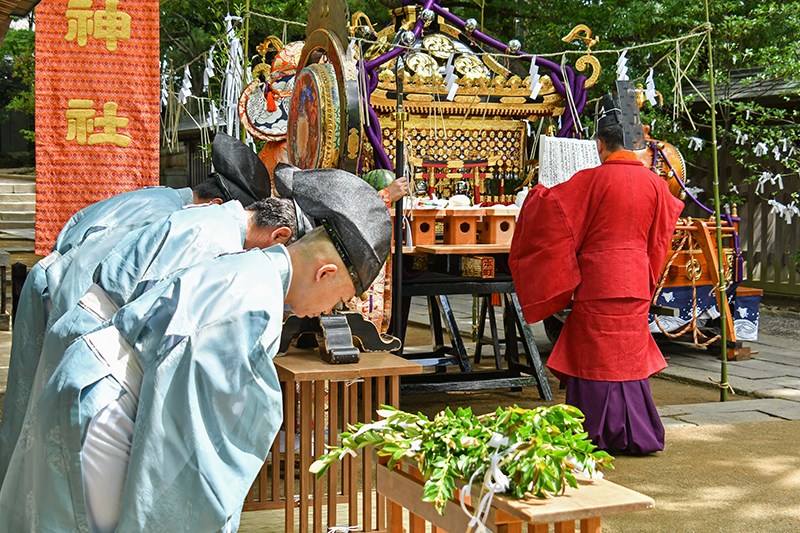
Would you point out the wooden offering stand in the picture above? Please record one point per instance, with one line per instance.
(586, 505)
(322, 399)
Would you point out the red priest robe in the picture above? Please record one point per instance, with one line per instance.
(601, 237)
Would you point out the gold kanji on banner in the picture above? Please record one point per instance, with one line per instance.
(108, 23)
(80, 21)
(80, 120)
(81, 123)
(97, 117)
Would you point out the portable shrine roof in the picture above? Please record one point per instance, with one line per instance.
(484, 80)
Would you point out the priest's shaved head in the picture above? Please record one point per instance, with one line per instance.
(320, 280)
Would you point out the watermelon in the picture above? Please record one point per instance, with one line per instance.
(379, 178)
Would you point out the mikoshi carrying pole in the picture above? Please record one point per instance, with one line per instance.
(723, 380)
(399, 167)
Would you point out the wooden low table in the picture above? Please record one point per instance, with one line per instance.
(306, 377)
(586, 505)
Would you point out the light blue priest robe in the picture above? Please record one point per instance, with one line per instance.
(122, 213)
(148, 204)
(209, 403)
(143, 258)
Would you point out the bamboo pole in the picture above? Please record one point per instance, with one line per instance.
(723, 380)
(245, 56)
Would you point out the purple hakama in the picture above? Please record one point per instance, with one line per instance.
(620, 415)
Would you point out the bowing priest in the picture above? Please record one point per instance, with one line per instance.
(160, 419)
(87, 238)
(599, 240)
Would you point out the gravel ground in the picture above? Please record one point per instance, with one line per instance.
(778, 322)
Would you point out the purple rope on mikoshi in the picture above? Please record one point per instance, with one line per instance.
(579, 97)
(373, 131)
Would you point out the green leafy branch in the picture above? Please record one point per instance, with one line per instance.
(536, 451)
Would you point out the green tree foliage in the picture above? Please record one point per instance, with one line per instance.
(17, 74)
(189, 28)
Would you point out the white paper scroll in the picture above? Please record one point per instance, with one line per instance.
(560, 158)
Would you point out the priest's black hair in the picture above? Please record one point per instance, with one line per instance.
(208, 190)
(275, 212)
(613, 137)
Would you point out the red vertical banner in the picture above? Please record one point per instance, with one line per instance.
(97, 105)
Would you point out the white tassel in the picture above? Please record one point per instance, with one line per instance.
(776, 152)
(761, 149)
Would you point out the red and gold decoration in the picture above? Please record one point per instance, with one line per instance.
(97, 105)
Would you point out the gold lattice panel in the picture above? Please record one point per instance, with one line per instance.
(500, 143)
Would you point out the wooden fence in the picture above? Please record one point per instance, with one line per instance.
(766, 239)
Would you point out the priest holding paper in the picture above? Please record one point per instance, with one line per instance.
(599, 241)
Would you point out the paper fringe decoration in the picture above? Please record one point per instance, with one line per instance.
(650, 89)
(696, 143)
(534, 84)
(622, 70)
(186, 88)
(450, 79)
(208, 72)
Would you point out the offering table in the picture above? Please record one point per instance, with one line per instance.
(586, 505)
(323, 399)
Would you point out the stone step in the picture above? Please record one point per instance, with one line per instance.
(17, 197)
(20, 216)
(15, 224)
(16, 176)
(25, 207)
(7, 187)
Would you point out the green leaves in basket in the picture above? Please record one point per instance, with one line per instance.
(536, 451)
